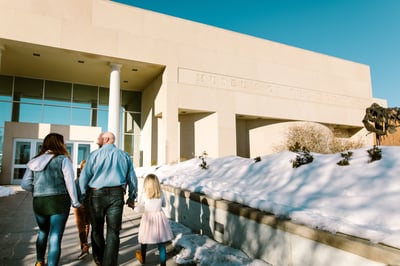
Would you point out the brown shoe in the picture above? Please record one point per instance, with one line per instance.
(39, 263)
(138, 256)
(84, 253)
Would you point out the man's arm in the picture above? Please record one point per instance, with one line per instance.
(131, 181)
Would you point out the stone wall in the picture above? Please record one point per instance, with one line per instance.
(264, 236)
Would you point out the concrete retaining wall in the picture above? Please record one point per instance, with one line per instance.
(265, 236)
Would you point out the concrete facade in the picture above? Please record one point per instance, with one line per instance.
(15, 130)
(203, 88)
(275, 240)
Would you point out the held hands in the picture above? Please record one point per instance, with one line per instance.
(80, 206)
(131, 204)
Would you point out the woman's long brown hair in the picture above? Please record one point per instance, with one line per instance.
(54, 144)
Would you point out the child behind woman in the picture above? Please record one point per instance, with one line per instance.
(82, 220)
(154, 227)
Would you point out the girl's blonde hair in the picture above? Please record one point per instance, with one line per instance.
(152, 186)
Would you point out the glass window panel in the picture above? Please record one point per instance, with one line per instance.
(19, 173)
(59, 92)
(1, 139)
(137, 118)
(131, 122)
(28, 90)
(81, 117)
(38, 147)
(5, 88)
(131, 100)
(5, 113)
(83, 152)
(56, 115)
(1, 145)
(69, 147)
(57, 103)
(5, 98)
(22, 152)
(84, 96)
(82, 105)
(104, 94)
(102, 120)
(103, 107)
(31, 113)
(129, 144)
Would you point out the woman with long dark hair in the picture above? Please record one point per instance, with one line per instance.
(50, 178)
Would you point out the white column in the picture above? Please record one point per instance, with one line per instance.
(114, 102)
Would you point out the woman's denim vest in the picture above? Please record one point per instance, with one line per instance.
(50, 181)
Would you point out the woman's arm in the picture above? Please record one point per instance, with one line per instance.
(27, 180)
(68, 172)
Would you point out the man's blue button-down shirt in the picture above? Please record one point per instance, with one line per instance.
(108, 166)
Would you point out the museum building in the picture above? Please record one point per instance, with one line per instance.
(169, 88)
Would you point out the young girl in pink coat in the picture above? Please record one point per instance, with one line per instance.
(154, 227)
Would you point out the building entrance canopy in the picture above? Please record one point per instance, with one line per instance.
(43, 62)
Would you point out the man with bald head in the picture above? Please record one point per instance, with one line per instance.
(104, 138)
(104, 179)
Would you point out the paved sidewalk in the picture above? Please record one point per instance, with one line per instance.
(18, 232)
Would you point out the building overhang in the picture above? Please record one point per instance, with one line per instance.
(50, 63)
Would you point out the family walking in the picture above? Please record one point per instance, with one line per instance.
(97, 196)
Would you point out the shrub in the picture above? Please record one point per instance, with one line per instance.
(203, 164)
(303, 157)
(316, 138)
(375, 154)
(309, 137)
(346, 157)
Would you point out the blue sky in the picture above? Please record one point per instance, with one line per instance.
(363, 31)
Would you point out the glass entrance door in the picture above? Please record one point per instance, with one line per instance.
(79, 151)
(26, 149)
(23, 151)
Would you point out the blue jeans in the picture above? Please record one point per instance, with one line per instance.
(50, 227)
(106, 205)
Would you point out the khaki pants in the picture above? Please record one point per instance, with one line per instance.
(83, 225)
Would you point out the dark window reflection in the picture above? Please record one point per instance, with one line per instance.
(22, 152)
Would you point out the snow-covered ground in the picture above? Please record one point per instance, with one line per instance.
(204, 251)
(6, 191)
(360, 199)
